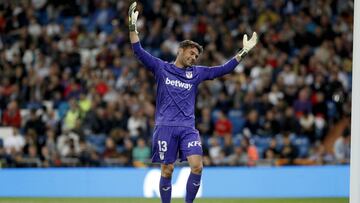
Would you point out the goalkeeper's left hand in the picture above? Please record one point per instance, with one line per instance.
(247, 46)
(133, 15)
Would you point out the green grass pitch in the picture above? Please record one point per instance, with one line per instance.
(144, 200)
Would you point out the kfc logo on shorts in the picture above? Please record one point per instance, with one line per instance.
(189, 74)
(194, 144)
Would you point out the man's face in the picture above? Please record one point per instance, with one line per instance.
(188, 56)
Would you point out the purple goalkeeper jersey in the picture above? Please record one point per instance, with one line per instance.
(177, 87)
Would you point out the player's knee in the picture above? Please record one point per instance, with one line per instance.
(167, 170)
(197, 169)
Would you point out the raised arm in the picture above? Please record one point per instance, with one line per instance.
(149, 61)
(218, 71)
(133, 15)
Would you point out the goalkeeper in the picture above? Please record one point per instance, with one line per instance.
(175, 135)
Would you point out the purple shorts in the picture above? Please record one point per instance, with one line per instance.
(173, 142)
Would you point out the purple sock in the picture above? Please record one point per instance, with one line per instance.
(192, 187)
(165, 189)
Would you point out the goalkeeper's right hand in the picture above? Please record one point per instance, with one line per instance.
(133, 15)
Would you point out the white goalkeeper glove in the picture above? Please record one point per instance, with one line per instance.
(133, 15)
(247, 45)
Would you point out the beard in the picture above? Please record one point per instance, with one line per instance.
(189, 62)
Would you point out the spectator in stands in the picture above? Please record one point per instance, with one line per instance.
(273, 150)
(31, 138)
(14, 143)
(307, 123)
(270, 126)
(288, 76)
(252, 152)
(320, 113)
(84, 104)
(110, 149)
(68, 144)
(223, 127)
(35, 123)
(51, 119)
(289, 122)
(275, 96)
(72, 115)
(204, 123)
(136, 123)
(288, 151)
(141, 153)
(342, 148)
(88, 155)
(31, 159)
(319, 156)
(238, 158)
(12, 117)
(252, 124)
(45, 157)
(319, 105)
(216, 152)
(126, 154)
(50, 142)
(303, 104)
(97, 121)
(118, 120)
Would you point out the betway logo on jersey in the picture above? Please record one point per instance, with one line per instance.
(178, 83)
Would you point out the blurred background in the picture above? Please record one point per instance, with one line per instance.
(72, 94)
(77, 108)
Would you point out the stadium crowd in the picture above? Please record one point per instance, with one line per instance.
(75, 95)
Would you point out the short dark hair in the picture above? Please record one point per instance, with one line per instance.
(188, 43)
(346, 132)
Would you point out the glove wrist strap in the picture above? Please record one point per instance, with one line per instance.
(242, 53)
(132, 28)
